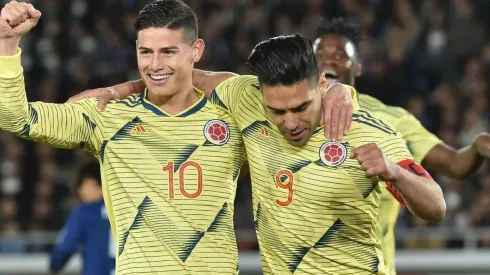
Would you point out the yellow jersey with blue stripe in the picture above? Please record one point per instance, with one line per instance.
(169, 181)
(419, 142)
(315, 209)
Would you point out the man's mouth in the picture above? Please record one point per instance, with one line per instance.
(297, 135)
(331, 76)
(159, 78)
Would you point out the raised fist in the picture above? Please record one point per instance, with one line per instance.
(17, 18)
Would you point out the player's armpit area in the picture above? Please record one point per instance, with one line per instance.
(244, 171)
(412, 167)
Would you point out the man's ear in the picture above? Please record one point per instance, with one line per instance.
(322, 84)
(198, 50)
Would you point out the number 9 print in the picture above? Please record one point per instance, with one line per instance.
(288, 184)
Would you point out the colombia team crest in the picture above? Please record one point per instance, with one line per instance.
(333, 153)
(217, 132)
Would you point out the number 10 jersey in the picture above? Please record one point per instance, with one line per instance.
(169, 181)
(172, 185)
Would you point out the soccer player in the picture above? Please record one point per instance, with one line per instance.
(169, 158)
(87, 228)
(336, 49)
(314, 207)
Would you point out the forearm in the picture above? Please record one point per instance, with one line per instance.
(466, 162)
(457, 164)
(59, 125)
(206, 81)
(14, 107)
(423, 196)
(128, 88)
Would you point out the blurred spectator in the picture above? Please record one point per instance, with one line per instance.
(11, 242)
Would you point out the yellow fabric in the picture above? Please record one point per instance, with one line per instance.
(419, 142)
(169, 181)
(312, 216)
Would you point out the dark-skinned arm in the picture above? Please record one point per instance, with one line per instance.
(458, 164)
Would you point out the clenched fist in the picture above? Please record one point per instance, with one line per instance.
(16, 19)
(375, 163)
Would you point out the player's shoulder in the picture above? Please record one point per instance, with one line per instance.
(90, 205)
(367, 126)
(131, 106)
(131, 101)
(86, 103)
(376, 106)
(240, 82)
(367, 99)
(237, 90)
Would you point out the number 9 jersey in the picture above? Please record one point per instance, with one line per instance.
(315, 209)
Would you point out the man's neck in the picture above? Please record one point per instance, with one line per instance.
(176, 103)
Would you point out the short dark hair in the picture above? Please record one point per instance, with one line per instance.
(171, 14)
(90, 170)
(341, 27)
(284, 60)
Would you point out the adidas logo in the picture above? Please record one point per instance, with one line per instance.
(139, 130)
(263, 133)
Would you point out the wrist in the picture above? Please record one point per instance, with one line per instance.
(397, 173)
(9, 46)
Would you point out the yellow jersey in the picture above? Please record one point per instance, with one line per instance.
(315, 210)
(169, 181)
(419, 142)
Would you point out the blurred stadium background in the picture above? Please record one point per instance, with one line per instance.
(432, 57)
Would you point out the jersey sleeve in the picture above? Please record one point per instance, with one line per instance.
(71, 237)
(395, 148)
(418, 139)
(229, 93)
(74, 125)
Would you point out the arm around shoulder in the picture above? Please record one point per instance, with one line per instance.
(207, 81)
